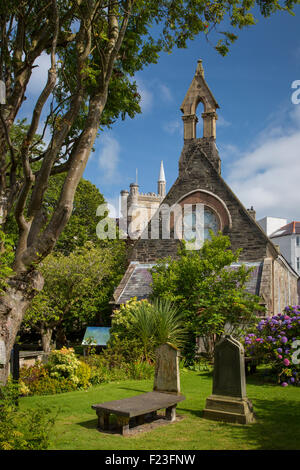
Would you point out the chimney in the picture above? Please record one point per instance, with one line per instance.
(252, 212)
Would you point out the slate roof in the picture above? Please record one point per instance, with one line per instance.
(289, 229)
(137, 279)
(135, 283)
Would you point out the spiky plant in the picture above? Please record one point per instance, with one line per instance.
(168, 323)
(143, 325)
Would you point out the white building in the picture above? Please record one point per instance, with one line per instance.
(286, 236)
(288, 239)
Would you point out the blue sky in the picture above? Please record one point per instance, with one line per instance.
(258, 131)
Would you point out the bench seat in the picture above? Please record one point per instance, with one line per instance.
(136, 407)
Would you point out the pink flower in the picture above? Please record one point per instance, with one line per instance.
(286, 362)
(279, 356)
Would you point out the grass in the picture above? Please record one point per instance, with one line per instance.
(277, 410)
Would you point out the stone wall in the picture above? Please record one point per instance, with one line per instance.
(278, 286)
(285, 286)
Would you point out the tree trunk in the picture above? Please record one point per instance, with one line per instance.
(14, 302)
(61, 339)
(46, 334)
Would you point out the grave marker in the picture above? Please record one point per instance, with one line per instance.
(229, 401)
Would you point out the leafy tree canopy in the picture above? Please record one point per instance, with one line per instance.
(201, 284)
(77, 288)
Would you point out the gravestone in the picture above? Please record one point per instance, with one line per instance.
(166, 378)
(229, 401)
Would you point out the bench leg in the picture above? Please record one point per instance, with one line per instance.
(171, 413)
(140, 419)
(103, 421)
(123, 425)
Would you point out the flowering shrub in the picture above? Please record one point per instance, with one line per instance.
(35, 380)
(274, 341)
(63, 363)
(63, 373)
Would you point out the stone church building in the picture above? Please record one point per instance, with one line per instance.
(200, 184)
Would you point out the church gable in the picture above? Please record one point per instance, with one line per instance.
(200, 182)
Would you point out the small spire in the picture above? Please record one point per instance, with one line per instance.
(136, 176)
(162, 172)
(200, 69)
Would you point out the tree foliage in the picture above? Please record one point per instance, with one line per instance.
(77, 288)
(207, 292)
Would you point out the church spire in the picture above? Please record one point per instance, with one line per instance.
(161, 181)
(162, 172)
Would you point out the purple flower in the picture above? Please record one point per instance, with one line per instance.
(284, 339)
(279, 350)
(284, 384)
(292, 380)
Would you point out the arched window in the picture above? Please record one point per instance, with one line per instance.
(198, 220)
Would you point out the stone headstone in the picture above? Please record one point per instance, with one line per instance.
(229, 401)
(229, 370)
(166, 378)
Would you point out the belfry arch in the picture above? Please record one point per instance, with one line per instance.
(199, 92)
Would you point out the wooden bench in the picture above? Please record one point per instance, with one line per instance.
(136, 407)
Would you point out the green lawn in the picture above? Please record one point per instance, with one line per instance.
(277, 427)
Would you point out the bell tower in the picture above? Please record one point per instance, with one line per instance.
(199, 92)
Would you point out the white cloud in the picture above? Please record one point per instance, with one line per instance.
(268, 175)
(173, 127)
(228, 151)
(165, 92)
(221, 122)
(146, 95)
(108, 160)
(114, 204)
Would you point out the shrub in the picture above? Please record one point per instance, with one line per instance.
(63, 373)
(83, 374)
(141, 370)
(143, 326)
(35, 380)
(274, 341)
(22, 430)
(63, 364)
(123, 339)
